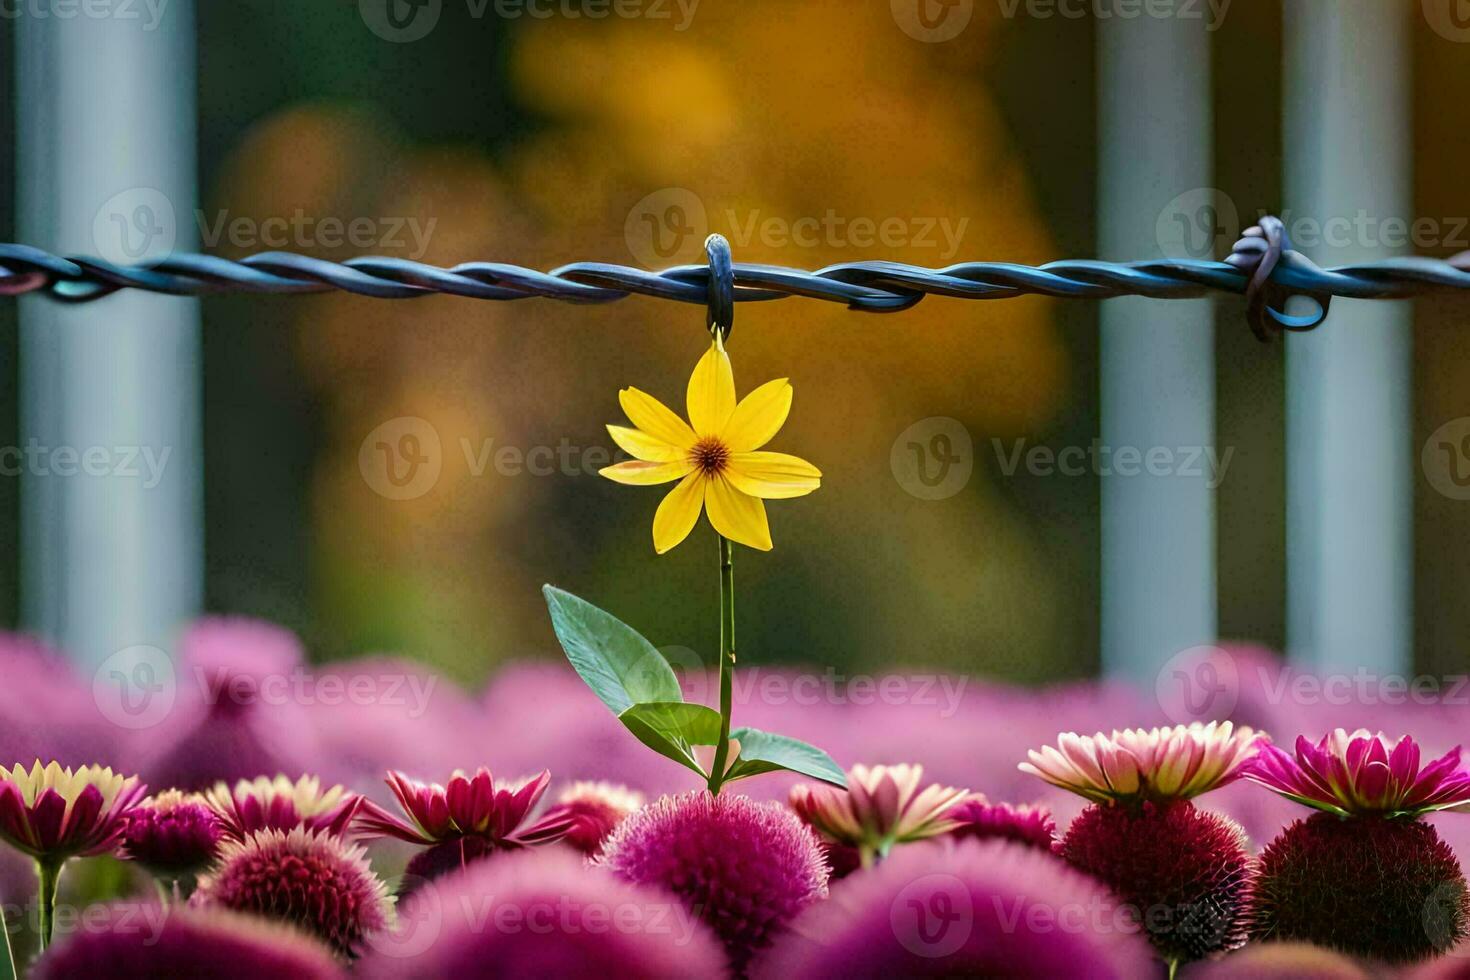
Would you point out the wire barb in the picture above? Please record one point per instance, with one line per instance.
(1263, 267)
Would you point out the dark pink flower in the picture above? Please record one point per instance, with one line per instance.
(172, 835)
(280, 804)
(53, 813)
(550, 916)
(1186, 873)
(150, 944)
(1387, 889)
(1362, 773)
(314, 881)
(746, 868)
(980, 819)
(595, 810)
(469, 806)
(950, 908)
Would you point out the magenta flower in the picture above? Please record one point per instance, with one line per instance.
(52, 813)
(470, 806)
(745, 868)
(314, 881)
(172, 835)
(549, 915)
(980, 819)
(1362, 773)
(595, 810)
(129, 943)
(1155, 764)
(279, 804)
(882, 806)
(963, 909)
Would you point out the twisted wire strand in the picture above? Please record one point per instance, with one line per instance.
(1262, 266)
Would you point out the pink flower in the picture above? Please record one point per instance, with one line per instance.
(470, 806)
(314, 881)
(279, 804)
(979, 819)
(53, 813)
(882, 806)
(1155, 764)
(1362, 773)
(172, 835)
(595, 810)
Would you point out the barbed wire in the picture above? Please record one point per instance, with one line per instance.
(1262, 266)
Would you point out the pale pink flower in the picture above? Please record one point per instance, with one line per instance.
(280, 804)
(1363, 773)
(882, 806)
(1155, 764)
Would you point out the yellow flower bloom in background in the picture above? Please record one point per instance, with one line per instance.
(713, 456)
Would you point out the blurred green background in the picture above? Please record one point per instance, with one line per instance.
(531, 141)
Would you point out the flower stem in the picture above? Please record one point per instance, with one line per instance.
(727, 662)
(48, 873)
(7, 965)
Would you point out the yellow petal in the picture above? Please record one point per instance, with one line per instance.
(655, 418)
(638, 473)
(643, 446)
(772, 475)
(737, 516)
(758, 417)
(678, 512)
(711, 392)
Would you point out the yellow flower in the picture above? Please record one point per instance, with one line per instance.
(714, 456)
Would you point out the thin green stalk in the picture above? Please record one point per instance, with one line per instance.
(727, 662)
(49, 874)
(7, 965)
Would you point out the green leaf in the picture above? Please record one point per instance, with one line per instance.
(762, 752)
(621, 667)
(670, 728)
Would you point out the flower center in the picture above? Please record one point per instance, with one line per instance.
(710, 455)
